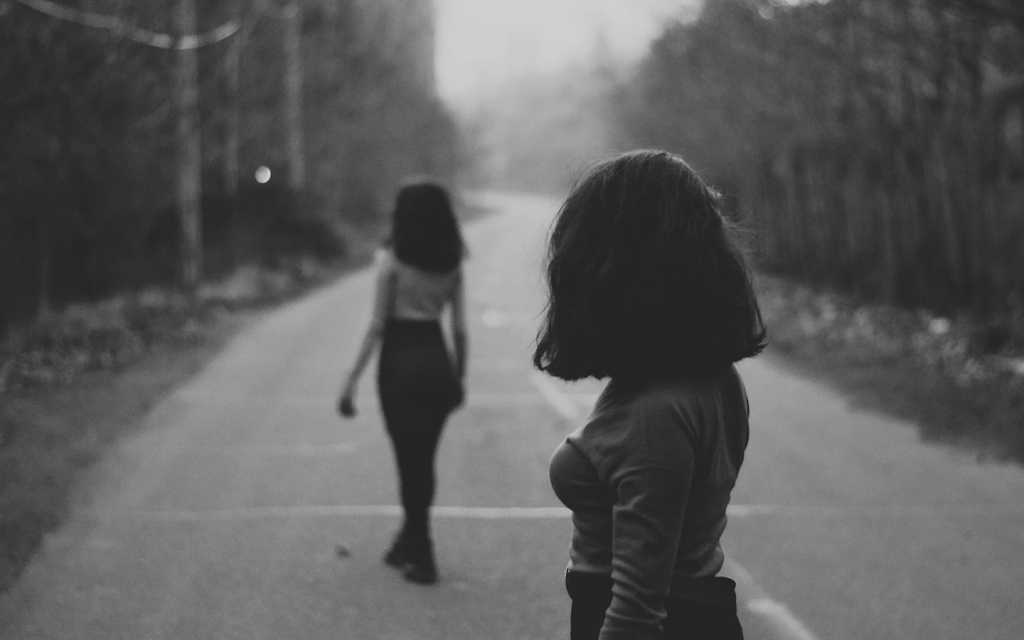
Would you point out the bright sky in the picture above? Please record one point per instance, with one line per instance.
(483, 43)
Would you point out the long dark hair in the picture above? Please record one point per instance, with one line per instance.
(424, 231)
(644, 277)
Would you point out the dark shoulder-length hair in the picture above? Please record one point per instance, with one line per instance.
(645, 278)
(424, 230)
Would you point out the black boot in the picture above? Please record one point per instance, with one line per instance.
(396, 555)
(420, 566)
(423, 572)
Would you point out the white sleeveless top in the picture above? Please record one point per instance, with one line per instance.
(407, 293)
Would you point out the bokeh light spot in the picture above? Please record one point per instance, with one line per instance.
(263, 174)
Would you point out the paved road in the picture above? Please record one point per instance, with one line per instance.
(220, 518)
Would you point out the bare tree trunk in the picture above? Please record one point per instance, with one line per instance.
(912, 230)
(852, 209)
(44, 230)
(758, 211)
(293, 96)
(189, 179)
(789, 202)
(978, 213)
(232, 63)
(811, 215)
(784, 241)
(1020, 131)
(889, 257)
(821, 213)
(941, 202)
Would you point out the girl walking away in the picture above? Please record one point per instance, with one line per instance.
(417, 381)
(648, 290)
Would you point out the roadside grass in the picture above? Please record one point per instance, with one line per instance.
(73, 382)
(933, 371)
(56, 432)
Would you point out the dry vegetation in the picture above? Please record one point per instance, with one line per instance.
(71, 383)
(933, 370)
(876, 147)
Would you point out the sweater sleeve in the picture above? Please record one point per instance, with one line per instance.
(650, 485)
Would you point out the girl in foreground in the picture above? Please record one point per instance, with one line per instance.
(648, 289)
(417, 382)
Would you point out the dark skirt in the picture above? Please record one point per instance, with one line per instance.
(712, 616)
(415, 375)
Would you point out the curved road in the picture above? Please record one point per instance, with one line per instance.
(220, 517)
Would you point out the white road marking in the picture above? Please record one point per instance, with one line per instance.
(786, 625)
(560, 401)
(499, 365)
(493, 318)
(501, 513)
(336, 511)
(305, 450)
(777, 614)
(880, 511)
(743, 510)
(221, 397)
(502, 399)
(368, 399)
(514, 399)
(299, 450)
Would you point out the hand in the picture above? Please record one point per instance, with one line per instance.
(346, 405)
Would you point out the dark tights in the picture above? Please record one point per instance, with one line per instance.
(414, 439)
(417, 387)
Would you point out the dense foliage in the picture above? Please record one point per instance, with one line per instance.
(87, 139)
(873, 145)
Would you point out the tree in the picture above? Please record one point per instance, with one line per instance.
(874, 145)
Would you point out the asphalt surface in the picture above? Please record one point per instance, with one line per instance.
(222, 517)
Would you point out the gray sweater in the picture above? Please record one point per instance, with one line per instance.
(648, 479)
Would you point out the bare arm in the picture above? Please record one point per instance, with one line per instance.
(459, 334)
(374, 333)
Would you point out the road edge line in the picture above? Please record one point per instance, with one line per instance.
(561, 402)
(783, 621)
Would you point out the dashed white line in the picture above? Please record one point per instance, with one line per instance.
(300, 450)
(785, 624)
(334, 511)
(743, 510)
(501, 513)
(499, 365)
(305, 450)
(561, 403)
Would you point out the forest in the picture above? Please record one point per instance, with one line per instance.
(868, 145)
(325, 93)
